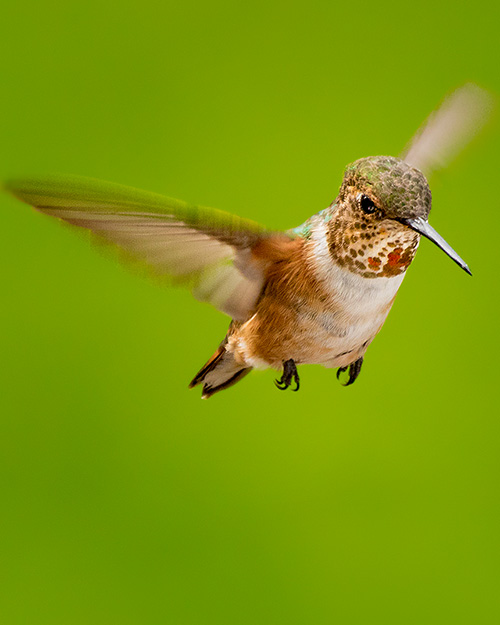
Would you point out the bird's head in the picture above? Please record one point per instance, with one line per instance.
(381, 210)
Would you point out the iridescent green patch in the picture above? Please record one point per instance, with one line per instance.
(402, 191)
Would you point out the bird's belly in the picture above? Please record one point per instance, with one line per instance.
(330, 337)
(331, 326)
(341, 335)
(325, 340)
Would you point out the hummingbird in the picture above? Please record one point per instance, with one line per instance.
(315, 294)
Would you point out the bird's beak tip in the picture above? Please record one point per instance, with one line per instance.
(423, 227)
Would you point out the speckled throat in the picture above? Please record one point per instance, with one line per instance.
(376, 242)
(372, 249)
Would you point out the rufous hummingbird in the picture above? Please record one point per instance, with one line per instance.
(317, 294)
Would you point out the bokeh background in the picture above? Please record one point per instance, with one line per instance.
(124, 498)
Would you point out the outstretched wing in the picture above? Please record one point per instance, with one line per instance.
(209, 249)
(449, 129)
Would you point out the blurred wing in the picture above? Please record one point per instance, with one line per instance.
(207, 248)
(448, 130)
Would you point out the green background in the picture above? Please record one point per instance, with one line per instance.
(124, 498)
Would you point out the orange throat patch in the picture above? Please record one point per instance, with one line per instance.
(373, 251)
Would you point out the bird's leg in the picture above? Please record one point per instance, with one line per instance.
(354, 369)
(289, 373)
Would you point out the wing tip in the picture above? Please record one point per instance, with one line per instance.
(460, 116)
(14, 187)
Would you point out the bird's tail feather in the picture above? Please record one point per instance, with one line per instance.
(219, 373)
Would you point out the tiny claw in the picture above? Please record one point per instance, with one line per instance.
(289, 373)
(279, 384)
(354, 369)
(340, 370)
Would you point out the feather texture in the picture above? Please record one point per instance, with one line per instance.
(449, 129)
(208, 249)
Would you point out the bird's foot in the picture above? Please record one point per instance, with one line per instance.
(289, 373)
(354, 369)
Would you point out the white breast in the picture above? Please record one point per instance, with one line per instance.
(362, 303)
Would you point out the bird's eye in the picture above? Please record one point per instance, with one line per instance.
(367, 205)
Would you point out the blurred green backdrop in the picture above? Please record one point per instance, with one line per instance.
(126, 499)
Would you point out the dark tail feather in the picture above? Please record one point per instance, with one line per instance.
(219, 373)
(208, 366)
(209, 390)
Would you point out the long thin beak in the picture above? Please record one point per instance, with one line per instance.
(423, 227)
